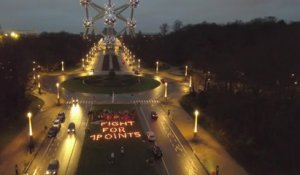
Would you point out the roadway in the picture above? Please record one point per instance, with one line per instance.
(178, 156)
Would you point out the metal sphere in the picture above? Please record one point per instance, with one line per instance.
(131, 23)
(110, 19)
(87, 23)
(134, 3)
(85, 2)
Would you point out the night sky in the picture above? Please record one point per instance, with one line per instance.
(67, 15)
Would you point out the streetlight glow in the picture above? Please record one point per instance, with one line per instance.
(62, 66)
(196, 122)
(166, 90)
(157, 66)
(82, 63)
(186, 70)
(29, 115)
(58, 97)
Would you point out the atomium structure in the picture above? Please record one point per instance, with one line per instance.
(109, 13)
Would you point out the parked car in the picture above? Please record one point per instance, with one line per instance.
(156, 151)
(154, 115)
(71, 128)
(150, 136)
(53, 131)
(57, 123)
(61, 117)
(53, 167)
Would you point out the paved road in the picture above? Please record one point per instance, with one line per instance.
(181, 156)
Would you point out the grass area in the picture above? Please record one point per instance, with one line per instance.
(106, 84)
(95, 156)
(13, 128)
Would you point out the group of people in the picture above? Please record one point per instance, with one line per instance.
(108, 115)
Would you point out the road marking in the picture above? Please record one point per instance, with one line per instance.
(164, 163)
(175, 136)
(143, 114)
(35, 171)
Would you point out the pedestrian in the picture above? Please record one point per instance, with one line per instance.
(16, 169)
(122, 150)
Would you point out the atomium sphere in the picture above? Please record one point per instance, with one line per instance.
(85, 2)
(109, 40)
(134, 3)
(87, 23)
(110, 19)
(131, 23)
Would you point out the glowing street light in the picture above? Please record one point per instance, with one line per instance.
(157, 66)
(190, 83)
(29, 115)
(58, 97)
(34, 77)
(39, 83)
(82, 63)
(186, 70)
(166, 90)
(139, 64)
(196, 123)
(62, 66)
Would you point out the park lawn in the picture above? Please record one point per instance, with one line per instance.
(123, 84)
(95, 154)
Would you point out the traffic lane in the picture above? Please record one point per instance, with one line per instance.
(66, 150)
(189, 160)
(55, 146)
(39, 122)
(171, 154)
(174, 144)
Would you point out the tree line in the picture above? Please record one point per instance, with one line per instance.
(251, 103)
(16, 64)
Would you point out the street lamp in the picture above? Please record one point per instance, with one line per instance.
(62, 66)
(82, 63)
(139, 64)
(190, 83)
(58, 97)
(186, 70)
(157, 66)
(33, 69)
(39, 84)
(166, 90)
(196, 123)
(29, 115)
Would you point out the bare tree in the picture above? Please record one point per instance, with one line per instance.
(177, 25)
(164, 29)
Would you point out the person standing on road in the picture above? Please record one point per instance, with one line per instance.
(16, 169)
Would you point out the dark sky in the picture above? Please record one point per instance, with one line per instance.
(67, 15)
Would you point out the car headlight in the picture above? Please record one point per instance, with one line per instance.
(73, 129)
(47, 172)
(68, 130)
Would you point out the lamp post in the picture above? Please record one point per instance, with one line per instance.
(166, 90)
(82, 63)
(157, 66)
(29, 115)
(196, 124)
(62, 66)
(58, 97)
(186, 70)
(190, 84)
(139, 64)
(39, 84)
(34, 77)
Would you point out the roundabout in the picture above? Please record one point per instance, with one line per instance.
(106, 84)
